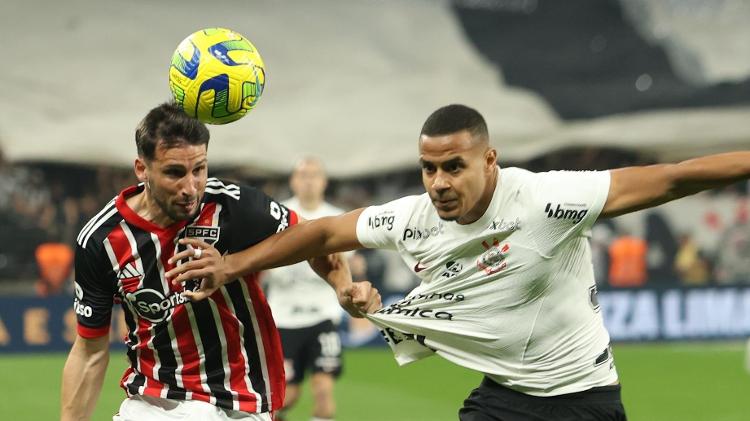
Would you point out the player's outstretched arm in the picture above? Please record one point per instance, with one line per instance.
(82, 378)
(303, 241)
(635, 188)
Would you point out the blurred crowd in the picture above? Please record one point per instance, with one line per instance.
(704, 241)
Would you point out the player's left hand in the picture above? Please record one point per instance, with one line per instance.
(207, 264)
(360, 298)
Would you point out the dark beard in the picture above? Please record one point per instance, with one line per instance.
(171, 214)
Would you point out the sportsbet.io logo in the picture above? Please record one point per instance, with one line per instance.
(152, 305)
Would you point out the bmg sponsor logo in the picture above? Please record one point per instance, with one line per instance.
(559, 212)
(381, 221)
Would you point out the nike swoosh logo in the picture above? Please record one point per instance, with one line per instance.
(418, 268)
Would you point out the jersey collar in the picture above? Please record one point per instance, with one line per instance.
(133, 218)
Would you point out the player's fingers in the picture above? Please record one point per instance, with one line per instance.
(191, 274)
(183, 255)
(372, 302)
(197, 295)
(179, 269)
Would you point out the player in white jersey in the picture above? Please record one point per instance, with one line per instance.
(507, 280)
(305, 307)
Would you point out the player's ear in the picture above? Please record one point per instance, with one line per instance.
(490, 158)
(139, 167)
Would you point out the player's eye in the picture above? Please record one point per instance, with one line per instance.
(174, 172)
(453, 167)
(428, 167)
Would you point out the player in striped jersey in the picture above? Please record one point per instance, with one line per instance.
(507, 280)
(215, 359)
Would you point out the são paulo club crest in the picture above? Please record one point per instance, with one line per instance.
(493, 260)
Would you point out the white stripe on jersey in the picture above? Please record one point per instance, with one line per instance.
(201, 351)
(96, 226)
(133, 250)
(224, 356)
(246, 377)
(234, 194)
(217, 211)
(259, 341)
(215, 182)
(177, 355)
(93, 220)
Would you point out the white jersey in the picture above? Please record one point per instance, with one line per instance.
(297, 295)
(511, 295)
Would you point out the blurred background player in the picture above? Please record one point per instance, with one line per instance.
(305, 307)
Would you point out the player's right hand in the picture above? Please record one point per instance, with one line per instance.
(208, 265)
(360, 298)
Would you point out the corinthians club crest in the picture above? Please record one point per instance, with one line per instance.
(493, 260)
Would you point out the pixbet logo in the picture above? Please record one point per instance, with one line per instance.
(414, 233)
(565, 213)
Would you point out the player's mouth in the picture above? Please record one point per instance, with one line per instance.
(188, 207)
(445, 204)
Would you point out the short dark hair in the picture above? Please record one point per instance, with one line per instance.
(169, 126)
(455, 118)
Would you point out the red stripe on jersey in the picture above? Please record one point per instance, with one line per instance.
(207, 215)
(271, 341)
(92, 333)
(124, 254)
(190, 369)
(124, 379)
(293, 218)
(238, 378)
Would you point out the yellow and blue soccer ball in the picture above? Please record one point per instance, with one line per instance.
(216, 75)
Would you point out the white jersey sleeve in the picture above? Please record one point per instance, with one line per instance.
(381, 226)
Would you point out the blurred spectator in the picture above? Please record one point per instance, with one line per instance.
(602, 235)
(733, 259)
(627, 261)
(55, 262)
(662, 248)
(690, 263)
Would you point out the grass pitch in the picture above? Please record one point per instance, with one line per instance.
(686, 382)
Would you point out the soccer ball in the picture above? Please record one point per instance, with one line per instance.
(216, 75)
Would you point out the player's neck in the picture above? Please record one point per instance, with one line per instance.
(310, 205)
(146, 207)
(483, 203)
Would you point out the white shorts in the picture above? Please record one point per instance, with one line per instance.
(139, 408)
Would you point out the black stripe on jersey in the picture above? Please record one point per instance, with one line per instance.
(162, 342)
(94, 223)
(212, 349)
(137, 383)
(234, 290)
(132, 338)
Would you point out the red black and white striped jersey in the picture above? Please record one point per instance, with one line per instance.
(224, 350)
